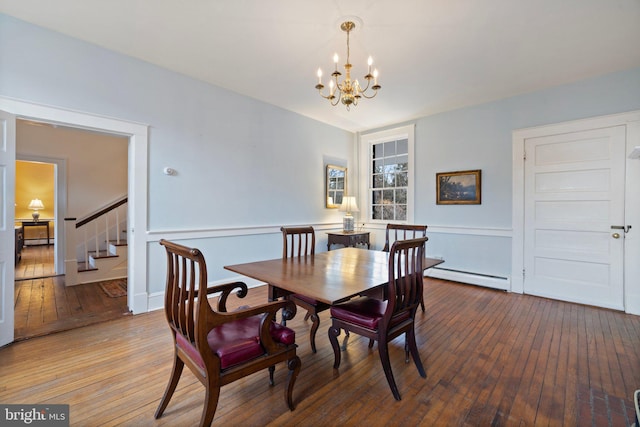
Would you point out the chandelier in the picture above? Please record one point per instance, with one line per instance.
(348, 91)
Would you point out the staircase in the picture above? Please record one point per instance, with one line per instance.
(96, 247)
(107, 264)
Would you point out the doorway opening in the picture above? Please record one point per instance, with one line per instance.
(73, 172)
(36, 188)
(12, 110)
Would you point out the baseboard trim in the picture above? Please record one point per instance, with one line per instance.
(495, 282)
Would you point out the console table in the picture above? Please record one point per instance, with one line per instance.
(43, 223)
(348, 239)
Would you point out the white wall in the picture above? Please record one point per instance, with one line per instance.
(243, 167)
(477, 238)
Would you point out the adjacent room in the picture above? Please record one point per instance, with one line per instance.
(418, 213)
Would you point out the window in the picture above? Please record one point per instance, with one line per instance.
(389, 175)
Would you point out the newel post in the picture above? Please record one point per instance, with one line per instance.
(70, 255)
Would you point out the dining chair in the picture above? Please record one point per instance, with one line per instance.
(403, 232)
(218, 346)
(297, 243)
(384, 320)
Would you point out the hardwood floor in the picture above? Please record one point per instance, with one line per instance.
(43, 304)
(36, 261)
(492, 358)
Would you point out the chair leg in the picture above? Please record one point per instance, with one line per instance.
(314, 328)
(406, 348)
(383, 350)
(307, 316)
(178, 364)
(333, 339)
(211, 397)
(294, 369)
(422, 304)
(272, 369)
(413, 348)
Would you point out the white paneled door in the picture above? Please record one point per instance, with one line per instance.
(7, 230)
(574, 202)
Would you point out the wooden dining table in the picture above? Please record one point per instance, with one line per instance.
(329, 277)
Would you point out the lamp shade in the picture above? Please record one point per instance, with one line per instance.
(349, 205)
(36, 204)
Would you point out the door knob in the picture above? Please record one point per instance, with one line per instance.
(616, 235)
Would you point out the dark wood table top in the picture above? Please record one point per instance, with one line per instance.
(329, 277)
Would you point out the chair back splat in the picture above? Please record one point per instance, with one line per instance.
(397, 232)
(402, 232)
(218, 346)
(298, 241)
(383, 321)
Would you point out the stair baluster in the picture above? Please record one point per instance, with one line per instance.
(112, 260)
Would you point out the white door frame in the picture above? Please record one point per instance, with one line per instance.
(632, 198)
(137, 296)
(7, 228)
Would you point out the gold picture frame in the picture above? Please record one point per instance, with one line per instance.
(459, 188)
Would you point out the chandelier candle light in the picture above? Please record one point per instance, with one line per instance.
(348, 92)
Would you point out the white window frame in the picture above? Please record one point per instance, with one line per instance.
(365, 170)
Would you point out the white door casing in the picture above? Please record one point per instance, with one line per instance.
(571, 244)
(574, 193)
(137, 295)
(7, 228)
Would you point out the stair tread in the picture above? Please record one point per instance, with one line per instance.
(102, 254)
(82, 266)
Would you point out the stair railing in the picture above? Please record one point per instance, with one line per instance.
(98, 219)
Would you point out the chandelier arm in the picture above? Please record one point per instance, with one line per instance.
(320, 86)
(363, 90)
(369, 97)
(325, 96)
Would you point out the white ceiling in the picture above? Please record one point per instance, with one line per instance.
(433, 55)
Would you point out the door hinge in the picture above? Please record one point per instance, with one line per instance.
(524, 156)
(523, 274)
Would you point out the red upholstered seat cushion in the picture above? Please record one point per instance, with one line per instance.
(237, 342)
(363, 311)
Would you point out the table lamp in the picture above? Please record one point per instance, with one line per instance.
(348, 205)
(36, 205)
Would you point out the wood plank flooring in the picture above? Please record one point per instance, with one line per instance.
(44, 305)
(492, 358)
(36, 261)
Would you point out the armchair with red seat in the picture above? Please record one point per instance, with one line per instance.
(219, 346)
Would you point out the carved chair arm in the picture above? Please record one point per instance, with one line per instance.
(225, 291)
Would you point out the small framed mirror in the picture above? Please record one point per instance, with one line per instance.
(336, 186)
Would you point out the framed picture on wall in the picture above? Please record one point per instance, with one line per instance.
(458, 188)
